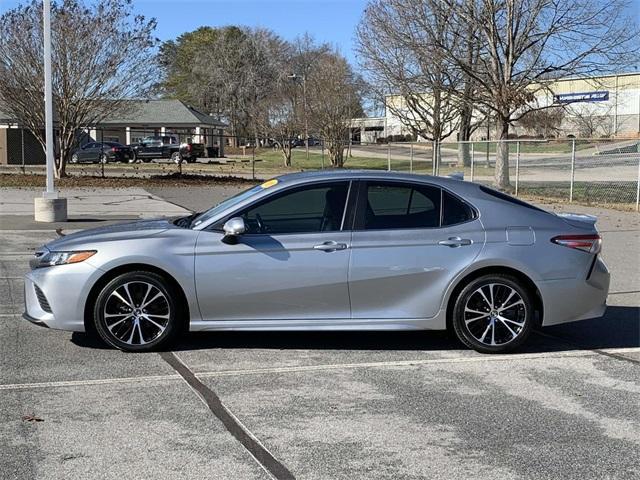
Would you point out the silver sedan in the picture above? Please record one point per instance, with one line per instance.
(341, 250)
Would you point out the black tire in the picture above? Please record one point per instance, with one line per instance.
(123, 320)
(176, 157)
(491, 329)
(133, 158)
(103, 158)
(74, 158)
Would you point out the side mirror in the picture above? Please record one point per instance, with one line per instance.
(233, 228)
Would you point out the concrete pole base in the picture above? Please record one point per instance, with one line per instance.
(50, 209)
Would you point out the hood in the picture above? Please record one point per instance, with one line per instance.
(120, 231)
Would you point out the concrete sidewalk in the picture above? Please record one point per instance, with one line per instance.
(87, 207)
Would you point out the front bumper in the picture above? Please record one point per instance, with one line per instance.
(63, 291)
(569, 300)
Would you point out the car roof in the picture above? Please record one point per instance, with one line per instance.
(342, 174)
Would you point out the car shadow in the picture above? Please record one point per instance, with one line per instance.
(619, 328)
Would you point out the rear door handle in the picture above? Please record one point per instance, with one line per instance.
(330, 246)
(455, 242)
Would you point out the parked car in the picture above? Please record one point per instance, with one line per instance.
(101, 152)
(313, 142)
(166, 146)
(341, 250)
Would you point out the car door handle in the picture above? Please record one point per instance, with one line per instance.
(330, 246)
(455, 242)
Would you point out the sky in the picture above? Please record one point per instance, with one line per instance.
(332, 21)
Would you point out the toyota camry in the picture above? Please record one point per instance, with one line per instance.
(339, 250)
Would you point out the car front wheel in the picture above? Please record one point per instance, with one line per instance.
(493, 314)
(137, 312)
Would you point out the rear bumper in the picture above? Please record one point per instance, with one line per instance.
(569, 300)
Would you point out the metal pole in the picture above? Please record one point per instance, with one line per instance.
(411, 160)
(638, 188)
(306, 116)
(433, 158)
(517, 165)
(472, 160)
(388, 157)
(573, 168)
(48, 101)
(22, 148)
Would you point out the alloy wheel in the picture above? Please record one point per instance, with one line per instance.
(136, 313)
(495, 314)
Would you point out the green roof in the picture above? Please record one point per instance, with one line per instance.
(165, 112)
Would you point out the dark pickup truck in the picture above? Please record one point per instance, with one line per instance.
(166, 146)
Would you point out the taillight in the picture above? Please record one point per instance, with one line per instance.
(586, 243)
(114, 149)
(188, 148)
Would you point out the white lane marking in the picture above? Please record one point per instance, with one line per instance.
(311, 368)
(83, 383)
(397, 363)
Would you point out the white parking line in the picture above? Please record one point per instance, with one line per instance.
(312, 368)
(84, 383)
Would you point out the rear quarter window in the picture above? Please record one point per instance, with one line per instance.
(509, 199)
(454, 210)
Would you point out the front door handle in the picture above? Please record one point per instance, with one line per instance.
(330, 246)
(455, 242)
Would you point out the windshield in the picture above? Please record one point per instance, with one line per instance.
(229, 202)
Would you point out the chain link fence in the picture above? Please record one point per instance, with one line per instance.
(590, 171)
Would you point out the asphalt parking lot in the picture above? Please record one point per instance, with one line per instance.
(321, 405)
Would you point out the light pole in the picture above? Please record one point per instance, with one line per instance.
(295, 76)
(49, 208)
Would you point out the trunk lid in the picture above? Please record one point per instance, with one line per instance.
(580, 220)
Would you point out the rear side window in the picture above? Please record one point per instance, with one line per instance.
(454, 210)
(401, 206)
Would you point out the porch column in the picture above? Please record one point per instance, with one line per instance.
(220, 143)
(127, 135)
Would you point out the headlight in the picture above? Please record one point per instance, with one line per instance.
(50, 259)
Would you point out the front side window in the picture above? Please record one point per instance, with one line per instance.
(310, 209)
(401, 206)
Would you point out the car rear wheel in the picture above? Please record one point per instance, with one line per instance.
(74, 158)
(176, 157)
(136, 312)
(493, 314)
(104, 158)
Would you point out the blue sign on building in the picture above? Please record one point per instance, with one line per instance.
(581, 97)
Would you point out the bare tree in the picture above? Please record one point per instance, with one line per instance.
(227, 71)
(544, 123)
(279, 119)
(590, 121)
(333, 100)
(528, 43)
(401, 50)
(101, 57)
